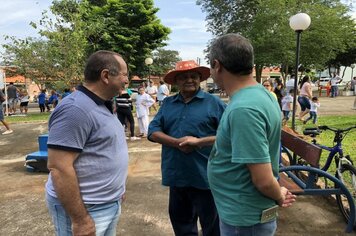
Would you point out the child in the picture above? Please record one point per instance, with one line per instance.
(286, 105)
(313, 110)
(143, 102)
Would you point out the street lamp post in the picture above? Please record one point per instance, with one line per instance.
(298, 23)
(148, 62)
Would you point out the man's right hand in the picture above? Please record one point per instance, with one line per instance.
(84, 227)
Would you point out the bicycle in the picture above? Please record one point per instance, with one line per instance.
(345, 171)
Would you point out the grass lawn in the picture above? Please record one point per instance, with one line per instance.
(31, 117)
(326, 138)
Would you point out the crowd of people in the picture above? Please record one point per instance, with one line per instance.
(284, 95)
(220, 162)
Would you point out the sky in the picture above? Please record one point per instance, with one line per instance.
(184, 17)
(186, 20)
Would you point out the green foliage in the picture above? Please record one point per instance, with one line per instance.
(266, 24)
(59, 55)
(80, 27)
(128, 27)
(33, 58)
(163, 61)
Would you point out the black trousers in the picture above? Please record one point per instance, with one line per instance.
(122, 115)
(186, 205)
(42, 107)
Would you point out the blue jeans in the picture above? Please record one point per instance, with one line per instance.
(313, 115)
(334, 90)
(286, 115)
(265, 229)
(105, 216)
(186, 205)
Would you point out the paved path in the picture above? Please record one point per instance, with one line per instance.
(23, 211)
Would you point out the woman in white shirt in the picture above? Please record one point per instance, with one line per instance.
(143, 102)
(304, 97)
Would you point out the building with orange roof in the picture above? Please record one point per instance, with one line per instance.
(24, 83)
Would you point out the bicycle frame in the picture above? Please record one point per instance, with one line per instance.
(337, 149)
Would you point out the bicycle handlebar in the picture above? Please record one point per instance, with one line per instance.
(325, 127)
(316, 131)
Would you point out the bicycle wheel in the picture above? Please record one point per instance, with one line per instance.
(347, 175)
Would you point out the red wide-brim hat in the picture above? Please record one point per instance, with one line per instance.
(187, 66)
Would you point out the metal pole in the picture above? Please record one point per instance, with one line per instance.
(6, 99)
(149, 74)
(296, 78)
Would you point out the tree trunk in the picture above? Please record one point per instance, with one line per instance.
(258, 70)
(343, 72)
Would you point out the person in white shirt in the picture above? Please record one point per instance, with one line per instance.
(162, 93)
(290, 84)
(143, 102)
(287, 102)
(24, 99)
(334, 81)
(151, 90)
(313, 110)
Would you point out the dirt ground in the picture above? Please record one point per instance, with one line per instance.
(23, 210)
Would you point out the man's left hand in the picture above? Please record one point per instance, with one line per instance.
(189, 140)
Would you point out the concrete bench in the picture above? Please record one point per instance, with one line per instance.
(301, 178)
(37, 161)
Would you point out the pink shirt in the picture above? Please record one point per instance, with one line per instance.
(306, 90)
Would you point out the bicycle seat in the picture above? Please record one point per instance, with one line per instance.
(312, 132)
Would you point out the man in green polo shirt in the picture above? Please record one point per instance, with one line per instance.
(243, 165)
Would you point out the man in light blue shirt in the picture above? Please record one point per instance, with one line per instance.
(87, 152)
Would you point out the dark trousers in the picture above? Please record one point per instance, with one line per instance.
(334, 90)
(42, 107)
(186, 205)
(123, 114)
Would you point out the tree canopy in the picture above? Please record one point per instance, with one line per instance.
(266, 24)
(163, 61)
(79, 28)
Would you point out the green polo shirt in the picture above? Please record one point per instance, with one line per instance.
(249, 132)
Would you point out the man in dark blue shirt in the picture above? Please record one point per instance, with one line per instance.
(186, 126)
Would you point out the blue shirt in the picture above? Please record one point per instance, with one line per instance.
(84, 123)
(41, 98)
(53, 98)
(200, 118)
